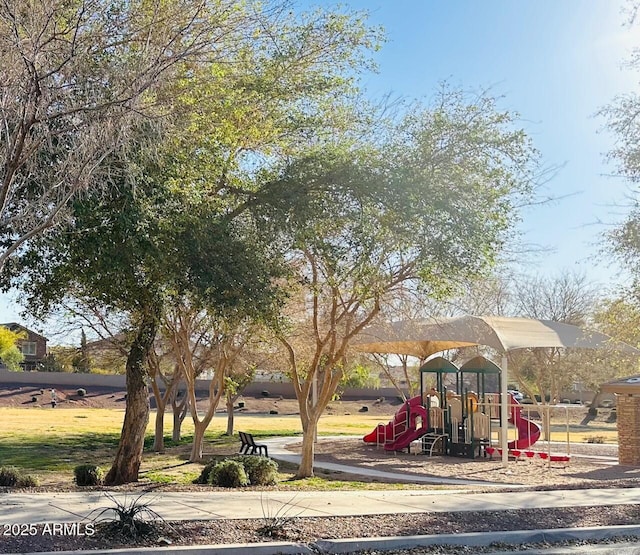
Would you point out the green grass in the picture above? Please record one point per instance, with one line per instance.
(50, 447)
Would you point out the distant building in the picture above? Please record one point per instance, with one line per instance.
(33, 346)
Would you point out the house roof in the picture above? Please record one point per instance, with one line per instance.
(14, 325)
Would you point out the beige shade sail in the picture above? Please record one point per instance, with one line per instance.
(427, 337)
(423, 338)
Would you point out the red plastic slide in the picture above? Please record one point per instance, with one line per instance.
(403, 428)
(528, 431)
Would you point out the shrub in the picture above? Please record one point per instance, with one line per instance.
(595, 439)
(88, 475)
(9, 476)
(34, 399)
(27, 481)
(206, 471)
(81, 392)
(265, 393)
(261, 471)
(228, 474)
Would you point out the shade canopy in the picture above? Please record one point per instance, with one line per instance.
(426, 337)
(623, 386)
(422, 338)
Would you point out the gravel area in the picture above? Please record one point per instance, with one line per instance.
(587, 468)
(307, 530)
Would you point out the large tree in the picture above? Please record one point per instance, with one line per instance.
(430, 204)
(77, 77)
(178, 219)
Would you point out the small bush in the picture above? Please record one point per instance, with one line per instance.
(261, 471)
(81, 392)
(265, 393)
(228, 474)
(273, 411)
(34, 399)
(204, 474)
(595, 439)
(9, 476)
(88, 475)
(27, 481)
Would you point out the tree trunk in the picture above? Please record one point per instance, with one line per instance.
(129, 455)
(198, 441)
(305, 470)
(158, 438)
(179, 413)
(229, 415)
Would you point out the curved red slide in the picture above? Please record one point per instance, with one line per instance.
(396, 434)
(528, 431)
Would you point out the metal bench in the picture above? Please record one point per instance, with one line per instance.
(248, 445)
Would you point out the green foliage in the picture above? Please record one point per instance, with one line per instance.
(51, 363)
(28, 481)
(130, 519)
(9, 476)
(9, 351)
(205, 473)
(81, 360)
(360, 376)
(12, 477)
(88, 475)
(261, 471)
(228, 474)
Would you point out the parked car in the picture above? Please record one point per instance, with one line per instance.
(516, 394)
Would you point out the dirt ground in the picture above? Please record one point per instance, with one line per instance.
(28, 395)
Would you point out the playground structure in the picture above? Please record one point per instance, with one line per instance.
(452, 419)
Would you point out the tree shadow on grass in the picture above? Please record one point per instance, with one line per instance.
(56, 452)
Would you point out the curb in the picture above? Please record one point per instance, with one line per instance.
(267, 548)
(501, 540)
(478, 539)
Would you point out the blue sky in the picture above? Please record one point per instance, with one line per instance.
(555, 62)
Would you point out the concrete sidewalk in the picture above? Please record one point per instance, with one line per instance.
(278, 451)
(76, 506)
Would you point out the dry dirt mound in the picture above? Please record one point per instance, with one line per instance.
(29, 395)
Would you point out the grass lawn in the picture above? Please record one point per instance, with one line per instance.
(51, 443)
